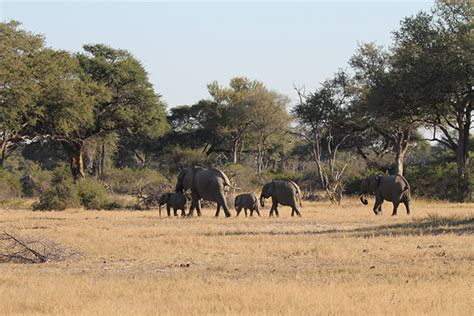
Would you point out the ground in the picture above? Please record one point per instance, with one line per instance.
(333, 260)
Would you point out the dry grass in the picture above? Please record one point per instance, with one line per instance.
(333, 260)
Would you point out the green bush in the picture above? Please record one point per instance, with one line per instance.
(59, 197)
(433, 182)
(270, 175)
(10, 184)
(352, 186)
(242, 176)
(92, 194)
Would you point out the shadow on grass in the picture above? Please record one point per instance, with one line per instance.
(430, 225)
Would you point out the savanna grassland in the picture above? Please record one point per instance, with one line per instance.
(333, 260)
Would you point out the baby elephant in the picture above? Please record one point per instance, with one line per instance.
(247, 201)
(175, 200)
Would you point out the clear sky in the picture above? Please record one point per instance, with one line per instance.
(185, 45)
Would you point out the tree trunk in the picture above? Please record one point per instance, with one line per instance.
(102, 159)
(462, 160)
(402, 140)
(75, 152)
(235, 149)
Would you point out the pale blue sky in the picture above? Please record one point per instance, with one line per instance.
(186, 45)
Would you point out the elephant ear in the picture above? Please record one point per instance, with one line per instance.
(374, 183)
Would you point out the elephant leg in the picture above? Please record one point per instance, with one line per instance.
(271, 212)
(395, 207)
(168, 210)
(407, 206)
(245, 210)
(295, 209)
(276, 212)
(258, 212)
(175, 212)
(238, 209)
(198, 207)
(377, 205)
(292, 211)
(218, 210)
(183, 212)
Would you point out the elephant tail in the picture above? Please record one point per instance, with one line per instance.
(226, 179)
(406, 190)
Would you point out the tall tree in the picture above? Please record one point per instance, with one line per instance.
(20, 54)
(388, 100)
(434, 51)
(269, 121)
(326, 123)
(237, 109)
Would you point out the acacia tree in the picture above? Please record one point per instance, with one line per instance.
(66, 106)
(269, 120)
(93, 94)
(388, 101)
(20, 55)
(237, 110)
(326, 123)
(435, 52)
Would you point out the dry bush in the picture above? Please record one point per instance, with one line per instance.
(18, 248)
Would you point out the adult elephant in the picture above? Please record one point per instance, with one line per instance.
(207, 184)
(394, 189)
(282, 192)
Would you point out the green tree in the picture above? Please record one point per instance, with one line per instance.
(20, 53)
(388, 101)
(326, 123)
(434, 52)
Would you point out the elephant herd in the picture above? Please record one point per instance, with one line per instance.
(210, 184)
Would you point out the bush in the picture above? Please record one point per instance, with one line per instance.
(59, 197)
(354, 181)
(92, 194)
(433, 182)
(242, 176)
(270, 175)
(10, 184)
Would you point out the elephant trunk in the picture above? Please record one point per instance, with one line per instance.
(363, 200)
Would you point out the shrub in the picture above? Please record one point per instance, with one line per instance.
(59, 197)
(10, 184)
(270, 175)
(353, 182)
(242, 176)
(433, 182)
(92, 194)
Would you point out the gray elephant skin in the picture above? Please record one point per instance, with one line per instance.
(207, 184)
(246, 201)
(175, 200)
(394, 189)
(282, 192)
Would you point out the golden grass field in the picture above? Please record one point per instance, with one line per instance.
(333, 260)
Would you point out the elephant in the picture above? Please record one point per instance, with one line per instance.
(282, 192)
(394, 189)
(175, 200)
(247, 201)
(207, 184)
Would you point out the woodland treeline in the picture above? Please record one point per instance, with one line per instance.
(404, 109)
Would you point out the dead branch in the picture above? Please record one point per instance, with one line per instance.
(18, 248)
